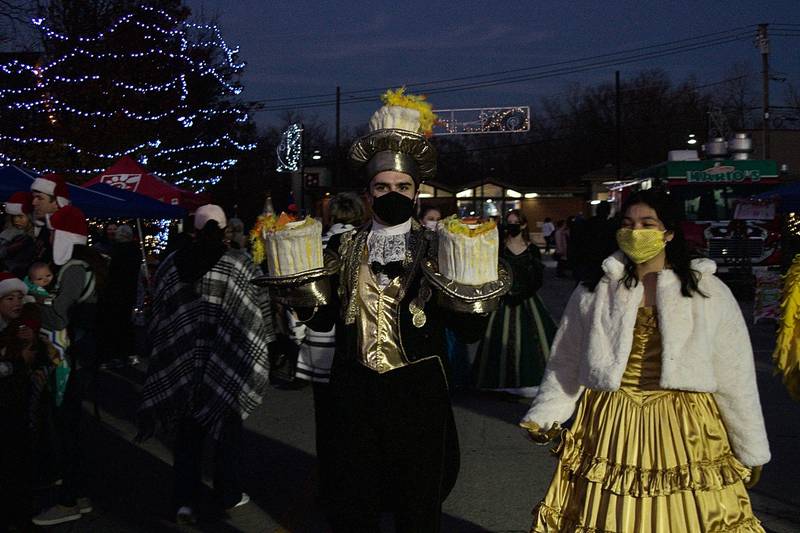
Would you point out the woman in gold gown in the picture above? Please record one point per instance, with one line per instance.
(668, 429)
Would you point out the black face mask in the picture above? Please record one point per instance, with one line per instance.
(513, 229)
(393, 208)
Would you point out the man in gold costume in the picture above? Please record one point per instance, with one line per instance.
(391, 443)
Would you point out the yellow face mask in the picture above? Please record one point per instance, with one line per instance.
(641, 245)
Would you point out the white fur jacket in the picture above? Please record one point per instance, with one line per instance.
(705, 348)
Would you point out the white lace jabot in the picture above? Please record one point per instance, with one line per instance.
(387, 244)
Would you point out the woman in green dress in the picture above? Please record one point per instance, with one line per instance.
(514, 351)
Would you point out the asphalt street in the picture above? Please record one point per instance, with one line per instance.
(502, 474)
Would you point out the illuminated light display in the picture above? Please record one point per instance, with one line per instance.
(290, 149)
(472, 121)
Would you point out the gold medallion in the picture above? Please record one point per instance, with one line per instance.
(419, 319)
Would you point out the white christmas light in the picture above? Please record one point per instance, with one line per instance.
(180, 39)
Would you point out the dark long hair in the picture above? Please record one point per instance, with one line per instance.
(523, 221)
(679, 256)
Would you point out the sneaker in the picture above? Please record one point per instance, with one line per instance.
(243, 501)
(58, 514)
(84, 505)
(185, 516)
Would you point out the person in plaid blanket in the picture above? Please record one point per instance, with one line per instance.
(210, 330)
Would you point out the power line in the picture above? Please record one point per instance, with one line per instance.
(584, 68)
(421, 85)
(535, 76)
(552, 73)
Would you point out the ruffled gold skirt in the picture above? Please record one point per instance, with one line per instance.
(646, 461)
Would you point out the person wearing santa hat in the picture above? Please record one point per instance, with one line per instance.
(50, 193)
(82, 271)
(17, 248)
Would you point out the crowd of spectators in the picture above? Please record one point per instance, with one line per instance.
(66, 308)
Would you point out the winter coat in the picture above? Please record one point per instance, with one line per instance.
(210, 327)
(705, 348)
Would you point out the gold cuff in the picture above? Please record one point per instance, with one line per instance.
(538, 434)
(304, 289)
(454, 296)
(755, 477)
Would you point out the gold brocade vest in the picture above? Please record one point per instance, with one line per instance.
(378, 322)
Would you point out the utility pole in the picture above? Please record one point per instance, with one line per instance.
(763, 45)
(337, 176)
(618, 124)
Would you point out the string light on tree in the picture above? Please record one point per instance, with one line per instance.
(186, 71)
(793, 224)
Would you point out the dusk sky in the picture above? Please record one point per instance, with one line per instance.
(299, 48)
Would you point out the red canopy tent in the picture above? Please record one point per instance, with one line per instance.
(129, 175)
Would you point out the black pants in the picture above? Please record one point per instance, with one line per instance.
(395, 448)
(188, 467)
(15, 453)
(323, 409)
(68, 418)
(549, 242)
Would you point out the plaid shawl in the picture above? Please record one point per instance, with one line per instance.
(209, 358)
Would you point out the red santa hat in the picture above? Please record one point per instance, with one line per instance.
(54, 185)
(19, 204)
(69, 228)
(10, 283)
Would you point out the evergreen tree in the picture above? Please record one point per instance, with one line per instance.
(125, 79)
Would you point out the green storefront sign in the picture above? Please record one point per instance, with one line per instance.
(727, 176)
(727, 171)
